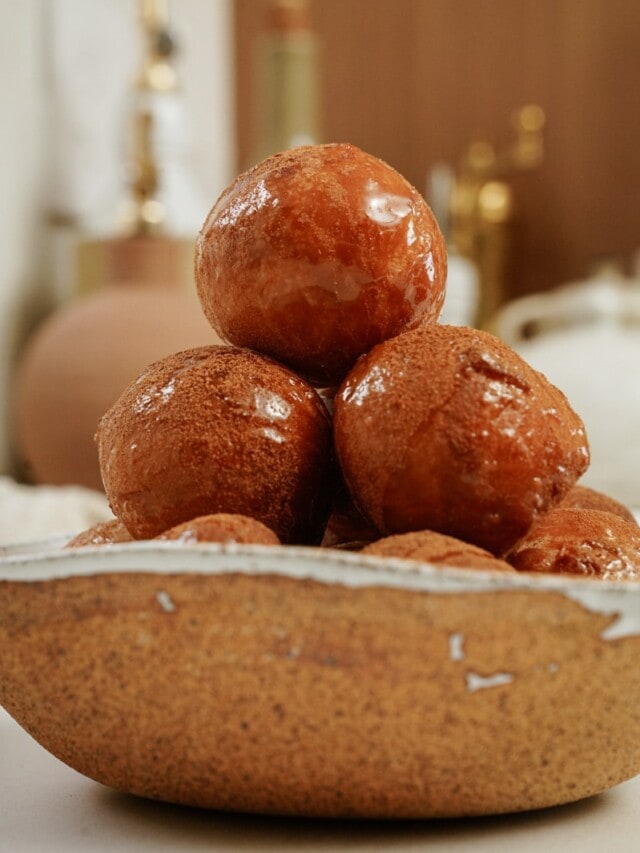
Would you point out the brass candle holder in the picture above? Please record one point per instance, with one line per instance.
(482, 204)
(142, 250)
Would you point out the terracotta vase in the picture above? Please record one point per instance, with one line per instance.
(80, 360)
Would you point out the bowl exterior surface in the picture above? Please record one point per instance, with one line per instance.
(283, 695)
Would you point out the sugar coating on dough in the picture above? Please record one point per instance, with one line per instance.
(584, 497)
(426, 546)
(222, 527)
(103, 533)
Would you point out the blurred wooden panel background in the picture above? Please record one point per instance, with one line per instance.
(412, 80)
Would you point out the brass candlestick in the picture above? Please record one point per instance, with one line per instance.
(143, 213)
(483, 204)
(144, 248)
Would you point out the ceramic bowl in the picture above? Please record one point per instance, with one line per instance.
(313, 682)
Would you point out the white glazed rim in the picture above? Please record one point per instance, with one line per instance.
(46, 561)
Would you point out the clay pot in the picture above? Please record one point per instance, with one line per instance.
(80, 360)
(308, 682)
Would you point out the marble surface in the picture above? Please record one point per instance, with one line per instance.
(45, 806)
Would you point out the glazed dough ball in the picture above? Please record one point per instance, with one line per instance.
(346, 526)
(583, 497)
(445, 428)
(103, 533)
(222, 527)
(218, 429)
(585, 542)
(315, 255)
(426, 546)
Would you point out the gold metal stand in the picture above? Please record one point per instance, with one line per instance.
(142, 251)
(482, 204)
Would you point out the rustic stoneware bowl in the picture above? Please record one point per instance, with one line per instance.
(308, 682)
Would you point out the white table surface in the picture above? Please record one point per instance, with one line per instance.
(45, 806)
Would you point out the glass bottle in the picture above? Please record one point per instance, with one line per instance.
(288, 112)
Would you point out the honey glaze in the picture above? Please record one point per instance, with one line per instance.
(584, 542)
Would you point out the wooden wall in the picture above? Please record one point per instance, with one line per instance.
(412, 80)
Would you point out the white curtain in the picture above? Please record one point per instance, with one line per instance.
(66, 68)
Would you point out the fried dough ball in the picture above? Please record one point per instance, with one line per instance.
(218, 429)
(585, 542)
(316, 254)
(222, 527)
(446, 428)
(426, 546)
(347, 527)
(103, 533)
(583, 497)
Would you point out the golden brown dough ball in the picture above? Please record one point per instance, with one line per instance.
(583, 497)
(586, 542)
(222, 527)
(446, 428)
(218, 429)
(426, 546)
(103, 533)
(316, 254)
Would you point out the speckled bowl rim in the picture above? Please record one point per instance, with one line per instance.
(48, 560)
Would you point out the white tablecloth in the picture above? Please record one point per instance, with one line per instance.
(31, 513)
(45, 806)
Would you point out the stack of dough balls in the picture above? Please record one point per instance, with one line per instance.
(324, 270)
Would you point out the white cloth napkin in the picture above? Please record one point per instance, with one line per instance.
(30, 513)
